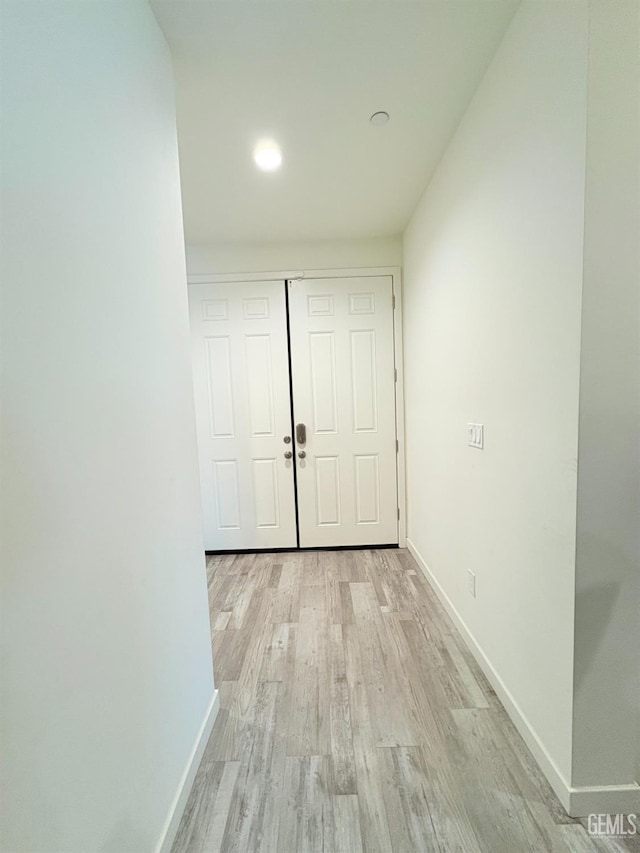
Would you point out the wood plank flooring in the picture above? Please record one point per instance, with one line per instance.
(353, 718)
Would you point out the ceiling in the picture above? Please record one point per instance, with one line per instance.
(310, 73)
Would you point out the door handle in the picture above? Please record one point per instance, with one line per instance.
(288, 454)
(301, 434)
(302, 454)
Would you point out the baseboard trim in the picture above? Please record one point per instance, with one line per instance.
(577, 802)
(614, 799)
(179, 803)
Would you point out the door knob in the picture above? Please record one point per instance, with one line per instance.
(288, 454)
(301, 434)
(287, 439)
(302, 454)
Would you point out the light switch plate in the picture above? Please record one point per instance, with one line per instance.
(475, 434)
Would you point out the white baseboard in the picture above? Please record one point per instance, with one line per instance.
(170, 829)
(577, 802)
(614, 799)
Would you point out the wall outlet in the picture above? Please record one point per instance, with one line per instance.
(475, 435)
(471, 581)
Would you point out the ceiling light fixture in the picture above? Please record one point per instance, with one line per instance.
(267, 155)
(379, 119)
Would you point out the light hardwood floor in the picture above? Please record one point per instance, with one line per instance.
(353, 718)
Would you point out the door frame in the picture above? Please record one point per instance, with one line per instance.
(396, 276)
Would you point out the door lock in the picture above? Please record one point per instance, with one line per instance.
(301, 434)
(287, 439)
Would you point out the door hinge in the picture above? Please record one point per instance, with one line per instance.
(398, 513)
(393, 301)
(397, 446)
(395, 374)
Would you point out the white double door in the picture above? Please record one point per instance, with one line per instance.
(295, 410)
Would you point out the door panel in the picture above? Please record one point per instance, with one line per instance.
(344, 391)
(243, 412)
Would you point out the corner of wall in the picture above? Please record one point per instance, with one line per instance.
(179, 802)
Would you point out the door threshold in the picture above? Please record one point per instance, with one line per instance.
(294, 549)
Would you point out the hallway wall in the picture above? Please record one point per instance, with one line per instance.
(322, 254)
(607, 640)
(492, 302)
(522, 298)
(106, 669)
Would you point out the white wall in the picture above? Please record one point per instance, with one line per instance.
(492, 300)
(278, 257)
(522, 300)
(106, 671)
(608, 553)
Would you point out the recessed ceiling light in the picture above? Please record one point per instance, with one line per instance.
(379, 119)
(267, 155)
